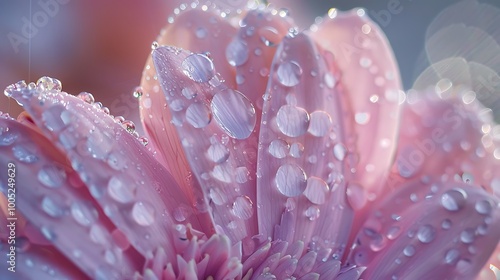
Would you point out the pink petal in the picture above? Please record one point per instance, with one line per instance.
(215, 126)
(50, 197)
(446, 234)
(370, 79)
(135, 191)
(301, 192)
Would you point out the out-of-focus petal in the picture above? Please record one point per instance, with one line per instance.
(38, 263)
(301, 191)
(370, 78)
(50, 195)
(199, 31)
(138, 195)
(213, 123)
(446, 232)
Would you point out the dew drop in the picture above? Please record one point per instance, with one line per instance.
(467, 236)
(24, 155)
(296, 150)
(56, 117)
(180, 214)
(393, 232)
(269, 36)
(452, 256)
(48, 83)
(483, 207)
(362, 118)
(242, 207)
(320, 123)
(426, 234)
(365, 62)
(454, 200)
(291, 180)
(176, 105)
(356, 196)
(278, 148)
(138, 92)
(292, 121)
(198, 67)
(221, 173)
(316, 190)
(87, 97)
(312, 213)
(409, 250)
(237, 52)
(53, 206)
(289, 73)
(339, 151)
(121, 190)
(84, 213)
(198, 115)
(143, 213)
(217, 196)
(99, 235)
(51, 176)
(234, 113)
(218, 153)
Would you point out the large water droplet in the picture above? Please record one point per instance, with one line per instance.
(48, 83)
(316, 190)
(289, 73)
(237, 52)
(242, 207)
(278, 148)
(51, 176)
(121, 190)
(234, 113)
(24, 154)
(198, 67)
(7, 138)
(312, 213)
(87, 97)
(198, 115)
(292, 121)
(454, 200)
(320, 123)
(426, 234)
(218, 153)
(291, 180)
(446, 224)
(53, 205)
(48, 233)
(330, 80)
(483, 207)
(143, 213)
(84, 213)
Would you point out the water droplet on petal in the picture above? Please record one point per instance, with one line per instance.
(198, 67)
(362, 118)
(339, 151)
(330, 80)
(87, 97)
(292, 121)
(454, 200)
(356, 196)
(483, 207)
(218, 153)
(7, 138)
(291, 180)
(84, 213)
(426, 234)
(237, 52)
(201, 32)
(53, 205)
(289, 73)
(446, 224)
(48, 233)
(188, 93)
(242, 207)
(320, 123)
(198, 115)
(451, 256)
(48, 83)
(120, 190)
(51, 176)
(316, 190)
(241, 175)
(296, 150)
(278, 148)
(217, 196)
(56, 117)
(143, 213)
(234, 113)
(24, 155)
(409, 250)
(312, 213)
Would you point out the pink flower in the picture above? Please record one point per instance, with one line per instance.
(273, 154)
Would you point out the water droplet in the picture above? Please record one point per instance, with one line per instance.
(47, 83)
(84, 213)
(320, 123)
(188, 93)
(467, 236)
(154, 45)
(242, 207)
(278, 148)
(291, 180)
(217, 196)
(176, 105)
(241, 174)
(446, 224)
(269, 36)
(24, 154)
(218, 153)
(7, 138)
(365, 62)
(234, 113)
(56, 117)
(237, 52)
(426, 234)
(296, 150)
(312, 213)
(289, 73)
(198, 67)
(356, 196)
(393, 232)
(53, 205)
(143, 213)
(409, 250)
(138, 92)
(48, 233)
(181, 214)
(454, 200)
(51, 176)
(221, 173)
(120, 190)
(330, 80)
(129, 126)
(339, 151)
(483, 207)
(99, 235)
(316, 190)
(198, 115)
(451, 256)
(362, 118)
(87, 97)
(201, 32)
(292, 121)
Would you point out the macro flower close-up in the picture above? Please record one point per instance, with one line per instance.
(266, 150)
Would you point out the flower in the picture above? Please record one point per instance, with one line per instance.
(272, 154)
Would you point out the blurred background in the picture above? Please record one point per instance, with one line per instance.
(101, 46)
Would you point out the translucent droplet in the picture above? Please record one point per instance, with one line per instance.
(198, 115)
(452, 256)
(84, 213)
(316, 190)
(362, 118)
(242, 207)
(188, 93)
(143, 213)
(201, 32)
(278, 148)
(454, 200)
(393, 232)
(234, 113)
(269, 36)
(176, 105)
(99, 235)
(138, 92)
(237, 52)
(467, 236)
(330, 80)
(56, 117)
(53, 206)
(446, 224)
(292, 121)
(217, 196)
(222, 173)
(483, 207)
(120, 190)
(129, 126)
(87, 97)
(312, 213)
(198, 67)
(218, 153)
(426, 234)
(289, 73)
(47, 83)
(291, 180)
(7, 138)
(320, 123)
(409, 250)
(356, 196)
(365, 62)
(296, 150)
(48, 233)
(51, 176)
(241, 174)
(24, 155)
(339, 151)
(180, 214)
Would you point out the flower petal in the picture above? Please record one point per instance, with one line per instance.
(446, 234)
(215, 125)
(49, 195)
(301, 191)
(138, 195)
(370, 79)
